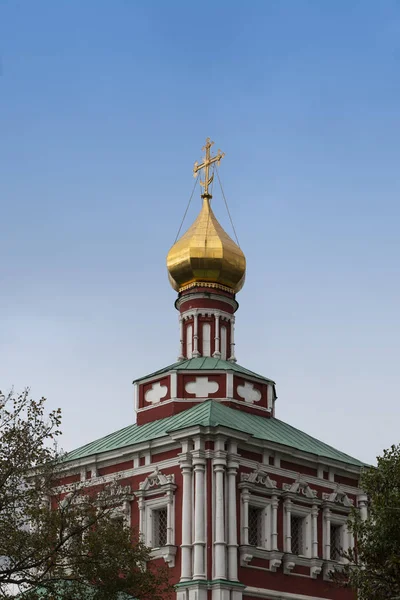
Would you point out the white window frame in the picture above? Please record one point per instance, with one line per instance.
(150, 506)
(206, 339)
(224, 340)
(338, 521)
(157, 491)
(265, 506)
(304, 512)
(189, 341)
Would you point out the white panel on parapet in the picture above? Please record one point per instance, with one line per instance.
(202, 387)
(156, 393)
(249, 393)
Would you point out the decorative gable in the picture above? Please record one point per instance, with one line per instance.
(259, 477)
(300, 488)
(339, 496)
(155, 480)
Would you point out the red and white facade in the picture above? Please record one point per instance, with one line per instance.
(234, 517)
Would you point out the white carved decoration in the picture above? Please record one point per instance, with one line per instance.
(249, 393)
(156, 393)
(202, 387)
(258, 477)
(274, 564)
(156, 479)
(338, 497)
(300, 487)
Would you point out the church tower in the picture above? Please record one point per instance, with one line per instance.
(238, 504)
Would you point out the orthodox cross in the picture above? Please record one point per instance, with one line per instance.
(207, 162)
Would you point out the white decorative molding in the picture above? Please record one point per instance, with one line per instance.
(167, 553)
(248, 392)
(202, 387)
(315, 571)
(338, 497)
(288, 566)
(300, 487)
(156, 479)
(258, 477)
(155, 394)
(274, 564)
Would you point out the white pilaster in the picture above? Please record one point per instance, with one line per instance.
(233, 465)
(362, 503)
(217, 352)
(232, 357)
(327, 536)
(219, 464)
(274, 523)
(199, 543)
(186, 546)
(314, 532)
(141, 516)
(196, 352)
(181, 357)
(245, 517)
(288, 530)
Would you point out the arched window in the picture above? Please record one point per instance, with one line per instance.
(189, 341)
(206, 339)
(223, 342)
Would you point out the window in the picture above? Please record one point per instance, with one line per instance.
(297, 534)
(189, 341)
(255, 526)
(223, 342)
(160, 523)
(336, 541)
(206, 339)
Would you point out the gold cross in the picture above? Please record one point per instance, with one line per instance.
(206, 166)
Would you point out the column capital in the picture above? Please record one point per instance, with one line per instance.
(199, 458)
(233, 463)
(362, 500)
(185, 460)
(288, 503)
(314, 510)
(274, 500)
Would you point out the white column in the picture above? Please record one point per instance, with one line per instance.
(219, 464)
(141, 517)
(327, 537)
(199, 543)
(170, 507)
(274, 523)
(362, 502)
(186, 545)
(245, 517)
(288, 532)
(196, 352)
(217, 352)
(233, 465)
(314, 532)
(232, 357)
(181, 357)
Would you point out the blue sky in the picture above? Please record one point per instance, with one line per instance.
(104, 108)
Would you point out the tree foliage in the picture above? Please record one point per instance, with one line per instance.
(374, 569)
(62, 541)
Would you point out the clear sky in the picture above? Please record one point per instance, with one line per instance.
(105, 106)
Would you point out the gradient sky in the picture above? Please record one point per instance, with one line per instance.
(105, 106)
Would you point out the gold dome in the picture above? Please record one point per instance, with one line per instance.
(206, 254)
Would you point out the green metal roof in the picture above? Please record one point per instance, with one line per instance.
(213, 414)
(205, 364)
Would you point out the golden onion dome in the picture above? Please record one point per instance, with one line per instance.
(206, 255)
